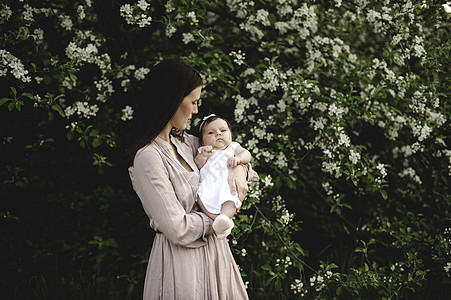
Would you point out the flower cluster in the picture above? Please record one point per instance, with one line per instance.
(320, 281)
(5, 13)
(238, 57)
(136, 14)
(82, 109)
(127, 113)
(141, 73)
(15, 66)
(297, 288)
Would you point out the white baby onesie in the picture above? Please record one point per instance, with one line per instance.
(214, 188)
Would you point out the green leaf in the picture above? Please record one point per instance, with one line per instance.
(28, 95)
(3, 101)
(269, 281)
(70, 136)
(278, 285)
(19, 105)
(384, 194)
(58, 108)
(96, 142)
(14, 91)
(11, 106)
(266, 268)
(347, 205)
(73, 77)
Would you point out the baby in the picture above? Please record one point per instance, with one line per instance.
(216, 159)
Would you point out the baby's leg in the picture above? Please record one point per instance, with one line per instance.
(223, 224)
(204, 210)
(228, 208)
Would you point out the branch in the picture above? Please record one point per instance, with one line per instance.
(281, 239)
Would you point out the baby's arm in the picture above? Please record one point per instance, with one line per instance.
(242, 156)
(202, 156)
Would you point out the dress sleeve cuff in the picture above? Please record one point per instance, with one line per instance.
(252, 176)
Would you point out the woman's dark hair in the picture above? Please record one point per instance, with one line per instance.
(163, 90)
(208, 121)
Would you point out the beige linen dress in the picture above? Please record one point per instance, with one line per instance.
(187, 261)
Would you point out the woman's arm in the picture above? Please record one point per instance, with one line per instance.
(238, 181)
(151, 182)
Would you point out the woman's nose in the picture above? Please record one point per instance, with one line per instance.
(195, 109)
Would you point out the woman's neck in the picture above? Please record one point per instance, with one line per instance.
(164, 134)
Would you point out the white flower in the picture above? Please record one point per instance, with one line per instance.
(81, 12)
(86, 54)
(170, 30)
(187, 37)
(169, 7)
(381, 168)
(344, 140)
(286, 217)
(318, 123)
(192, 17)
(127, 113)
(144, 20)
(17, 69)
(28, 13)
(447, 268)
(143, 4)
(82, 109)
(268, 181)
(354, 157)
(65, 22)
(5, 13)
(141, 73)
(238, 57)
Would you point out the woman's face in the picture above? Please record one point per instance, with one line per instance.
(186, 109)
(217, 134)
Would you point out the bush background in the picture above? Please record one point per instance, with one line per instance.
(344, 105)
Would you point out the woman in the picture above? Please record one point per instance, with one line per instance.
(187, 260)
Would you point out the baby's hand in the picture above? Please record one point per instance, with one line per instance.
(233, 161)
(206, 151)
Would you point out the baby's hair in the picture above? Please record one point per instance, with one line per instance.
(207, 121)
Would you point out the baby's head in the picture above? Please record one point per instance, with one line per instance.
(216, 132)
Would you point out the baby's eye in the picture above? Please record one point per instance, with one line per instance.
(223, 130)
(210, 132)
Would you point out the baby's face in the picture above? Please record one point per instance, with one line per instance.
(217, 134)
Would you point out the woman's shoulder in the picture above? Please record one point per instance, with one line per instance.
(191, 140)
(150, 151)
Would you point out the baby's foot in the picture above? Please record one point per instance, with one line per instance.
(222, 226)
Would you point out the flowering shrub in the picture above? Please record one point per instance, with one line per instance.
(343, 106)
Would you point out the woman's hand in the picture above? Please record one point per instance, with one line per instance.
(238, 181)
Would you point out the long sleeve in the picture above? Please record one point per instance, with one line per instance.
(151, 180)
